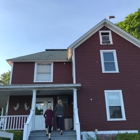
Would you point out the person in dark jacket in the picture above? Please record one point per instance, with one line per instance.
(48, 115)
(59, 115)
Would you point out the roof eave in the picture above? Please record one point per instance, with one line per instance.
(39, 87)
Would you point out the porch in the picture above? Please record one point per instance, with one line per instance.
(27, 120)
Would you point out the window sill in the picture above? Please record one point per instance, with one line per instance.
(107, 44)
(42, 81)
(110, 72)
(116, 120)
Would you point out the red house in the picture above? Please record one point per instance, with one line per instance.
(97, 78)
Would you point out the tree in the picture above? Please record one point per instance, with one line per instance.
(5, 78)
(131, 24)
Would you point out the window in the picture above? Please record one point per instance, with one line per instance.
(114, 105)
(109, 61)
(43, 72)
(105, 37)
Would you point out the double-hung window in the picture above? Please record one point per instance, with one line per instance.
(114, 105)
(109, 61)
(105, 37)
(43, 72)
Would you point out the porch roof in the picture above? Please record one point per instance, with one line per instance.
(39, 87)
(42, 89)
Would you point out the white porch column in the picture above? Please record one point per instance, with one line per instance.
(33, 108)
(7, 106)
(74, 106)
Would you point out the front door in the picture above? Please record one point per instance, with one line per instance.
(41, 106)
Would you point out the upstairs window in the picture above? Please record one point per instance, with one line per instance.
(109, 61)
(43, 72)
(105, 37)
(114, 105)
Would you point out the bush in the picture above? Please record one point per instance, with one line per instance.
(128, 136)
(17, 135)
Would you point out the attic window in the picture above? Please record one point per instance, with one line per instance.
(105, 37)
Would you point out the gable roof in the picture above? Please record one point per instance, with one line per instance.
(109, 25)
(48, 55)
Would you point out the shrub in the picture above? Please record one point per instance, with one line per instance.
(128, 136)
(17, 135)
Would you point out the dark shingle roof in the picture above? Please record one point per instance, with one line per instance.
(51, 54)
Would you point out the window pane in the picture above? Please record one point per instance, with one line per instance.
(108, 56)
(109, 66)
(114, 99)
(43, 77)
(43, 68)
(115, 111)
(105, 37)
(105, 33)
(39, 108)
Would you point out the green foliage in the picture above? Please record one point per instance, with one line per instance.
(17, 135)
(131, 24)
(128, 136)
(5, 78)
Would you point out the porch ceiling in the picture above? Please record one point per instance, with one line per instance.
(42, 89)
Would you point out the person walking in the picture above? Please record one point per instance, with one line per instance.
(59, 109)
(48, 115)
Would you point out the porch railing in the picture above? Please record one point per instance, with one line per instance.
(28, 126)
(12, 122)
(77, 124)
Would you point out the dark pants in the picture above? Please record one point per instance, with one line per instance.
(59, 122)
(49, 128)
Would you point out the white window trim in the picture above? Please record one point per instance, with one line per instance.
(35, 72)
(115, 60)
(106, 92)
(110, 37)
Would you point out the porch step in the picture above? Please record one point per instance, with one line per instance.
(55, 135)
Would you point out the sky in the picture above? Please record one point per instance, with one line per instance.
(31, 26)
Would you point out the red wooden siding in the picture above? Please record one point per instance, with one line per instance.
(23, 73)
(21, 100)
(89, 73)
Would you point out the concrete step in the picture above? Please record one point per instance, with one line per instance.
(55, 135)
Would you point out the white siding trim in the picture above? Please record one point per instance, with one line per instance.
(11, 73)
(122, 105)
(117, 131)
(35, 67)
(115, 60)
(109, 132)
(74, 67)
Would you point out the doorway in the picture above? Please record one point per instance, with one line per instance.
(41, 106)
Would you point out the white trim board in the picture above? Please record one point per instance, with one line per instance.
(110, 132)
(117, 131)
(6, 135)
